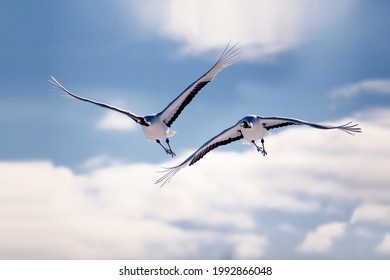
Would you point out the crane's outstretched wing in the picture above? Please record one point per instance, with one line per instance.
(174, 109)
(136, 118)
(276, 122)
(225, 137)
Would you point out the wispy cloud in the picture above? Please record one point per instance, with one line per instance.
(372, 213)
(116, 122)
(321, 240)
(373, 86)
(264, 27)
(115, 210)
(100, 161)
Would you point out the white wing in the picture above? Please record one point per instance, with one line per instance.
(136, 118)
(276, 122)
(173, 110)
(225, 137)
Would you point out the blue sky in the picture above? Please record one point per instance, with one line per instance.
(325, 194)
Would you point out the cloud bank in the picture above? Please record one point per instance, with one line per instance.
(229, 204)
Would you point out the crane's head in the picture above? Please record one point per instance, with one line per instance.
(247, 122)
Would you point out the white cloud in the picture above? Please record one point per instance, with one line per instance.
(374, 86)
(264, 27)
(384, 246)
(99, 162)
(249, 246)
(321, 240)
(115, 211)
(378, 116)
(371, 213)
(116, 122)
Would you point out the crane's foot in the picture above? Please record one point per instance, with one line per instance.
(167, 150)
(170, 152)
(260, 149)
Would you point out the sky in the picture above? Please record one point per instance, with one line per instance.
(77, 181)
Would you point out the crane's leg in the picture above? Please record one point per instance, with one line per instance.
(169, 148)
(260, 149)
(165, 149)
(262, 144)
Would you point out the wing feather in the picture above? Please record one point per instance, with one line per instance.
(277, 122)
(225, 137)
(174, 109)
(136, 118)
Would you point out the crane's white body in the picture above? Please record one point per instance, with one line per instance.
(156, 129)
